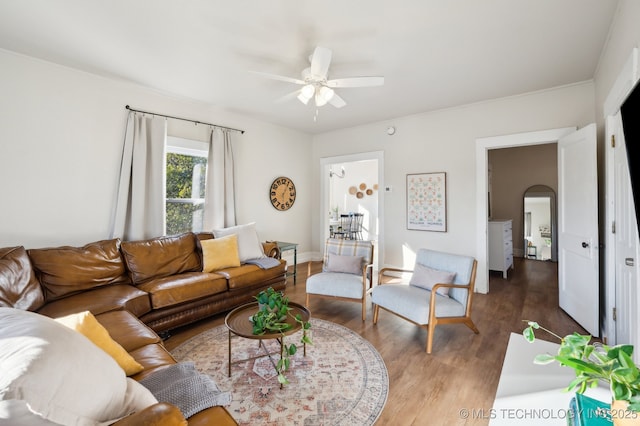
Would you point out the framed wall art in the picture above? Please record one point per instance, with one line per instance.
(427, 202)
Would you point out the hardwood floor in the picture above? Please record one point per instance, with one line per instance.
(464, 368)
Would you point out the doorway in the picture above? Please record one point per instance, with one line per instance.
(483, 145)
(352, 184)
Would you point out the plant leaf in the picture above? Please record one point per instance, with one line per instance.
(544, 359)
(528, 334)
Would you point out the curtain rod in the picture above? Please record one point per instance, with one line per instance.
(184, 119)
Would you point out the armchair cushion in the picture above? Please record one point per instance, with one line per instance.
(345, 264)
(412, 302)
(425, 277)
(335, 284)
(360, 248)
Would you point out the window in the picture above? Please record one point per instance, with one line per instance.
(186, 172)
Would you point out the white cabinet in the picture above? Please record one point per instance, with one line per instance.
(500, 246)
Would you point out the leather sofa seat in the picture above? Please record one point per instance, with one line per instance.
(248, 275)
(99, 300)
(177, 289)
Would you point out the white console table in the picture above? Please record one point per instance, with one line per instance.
(531, 394)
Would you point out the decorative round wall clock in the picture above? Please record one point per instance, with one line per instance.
(282, 193)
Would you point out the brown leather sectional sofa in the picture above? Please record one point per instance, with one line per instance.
(135, 289)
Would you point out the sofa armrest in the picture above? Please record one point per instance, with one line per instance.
(160, 414)
(271, 249)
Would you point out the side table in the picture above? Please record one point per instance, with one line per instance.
(290, 246)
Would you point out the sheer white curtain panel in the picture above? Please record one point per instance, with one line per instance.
(219, 205)
(140, 205)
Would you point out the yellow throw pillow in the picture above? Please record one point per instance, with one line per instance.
(220, 253)
(87, 325)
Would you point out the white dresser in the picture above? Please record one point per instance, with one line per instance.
(500, 246)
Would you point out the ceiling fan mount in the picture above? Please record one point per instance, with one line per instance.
(315, 84)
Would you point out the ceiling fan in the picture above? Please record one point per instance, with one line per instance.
(315, 84)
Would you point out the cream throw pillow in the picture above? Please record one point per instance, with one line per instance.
(249, 246)
(426, 278)
(87, 325)
(220, 253)
(60, 376)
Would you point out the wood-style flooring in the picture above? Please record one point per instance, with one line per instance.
(464, 368)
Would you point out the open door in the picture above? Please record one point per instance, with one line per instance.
(578, 278)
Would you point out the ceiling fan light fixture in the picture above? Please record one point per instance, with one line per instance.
(306, 93)
(326, 93)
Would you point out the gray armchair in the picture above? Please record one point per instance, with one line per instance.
(346, 272)
(440, 292)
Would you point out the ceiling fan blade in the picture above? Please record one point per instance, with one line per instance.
(337, 101)
(279, 77)
(356, 82)
(320, 62)
(287, 97)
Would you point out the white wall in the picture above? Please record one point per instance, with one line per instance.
(61, 134)
(444, 141)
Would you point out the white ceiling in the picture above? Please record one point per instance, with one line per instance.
(433, 53)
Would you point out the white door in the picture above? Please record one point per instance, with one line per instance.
(625, 235)
(578, 228)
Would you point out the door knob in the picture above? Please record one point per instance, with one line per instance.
(628, 261)
(585, 244)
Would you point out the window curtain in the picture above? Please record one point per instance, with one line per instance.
(219, 205)
(140, 205)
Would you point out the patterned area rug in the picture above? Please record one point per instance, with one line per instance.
(341, 381)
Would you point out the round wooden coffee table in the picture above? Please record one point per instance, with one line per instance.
(238, 323)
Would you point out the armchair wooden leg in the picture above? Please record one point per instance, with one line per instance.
(306, 303)
(364, 309)
(469, 323)
(430, 331)
(376, 310)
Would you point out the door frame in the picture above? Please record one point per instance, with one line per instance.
(622, 87)
(483, 145)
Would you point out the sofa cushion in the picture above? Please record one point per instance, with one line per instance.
(99, 300)
(249, 246)
(19, 287)
(87, 325)
(56, 371)
(161, 257)
(151, 357)
(220, 253)
(250, 275)
(127, 330)
(425, 277)
(182, 288)
(67, 270)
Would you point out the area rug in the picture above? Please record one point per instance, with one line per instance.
(341, 381)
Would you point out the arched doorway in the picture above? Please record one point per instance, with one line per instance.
(540, 222)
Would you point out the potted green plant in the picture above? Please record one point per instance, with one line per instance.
(273, 310)
(594, 363)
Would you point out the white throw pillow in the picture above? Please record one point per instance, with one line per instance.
(425, 277)
(61, 375)
(249, 246)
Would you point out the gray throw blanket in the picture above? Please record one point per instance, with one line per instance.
(183, 386)
(264, 262)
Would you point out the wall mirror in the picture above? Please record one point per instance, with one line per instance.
(540, 222)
